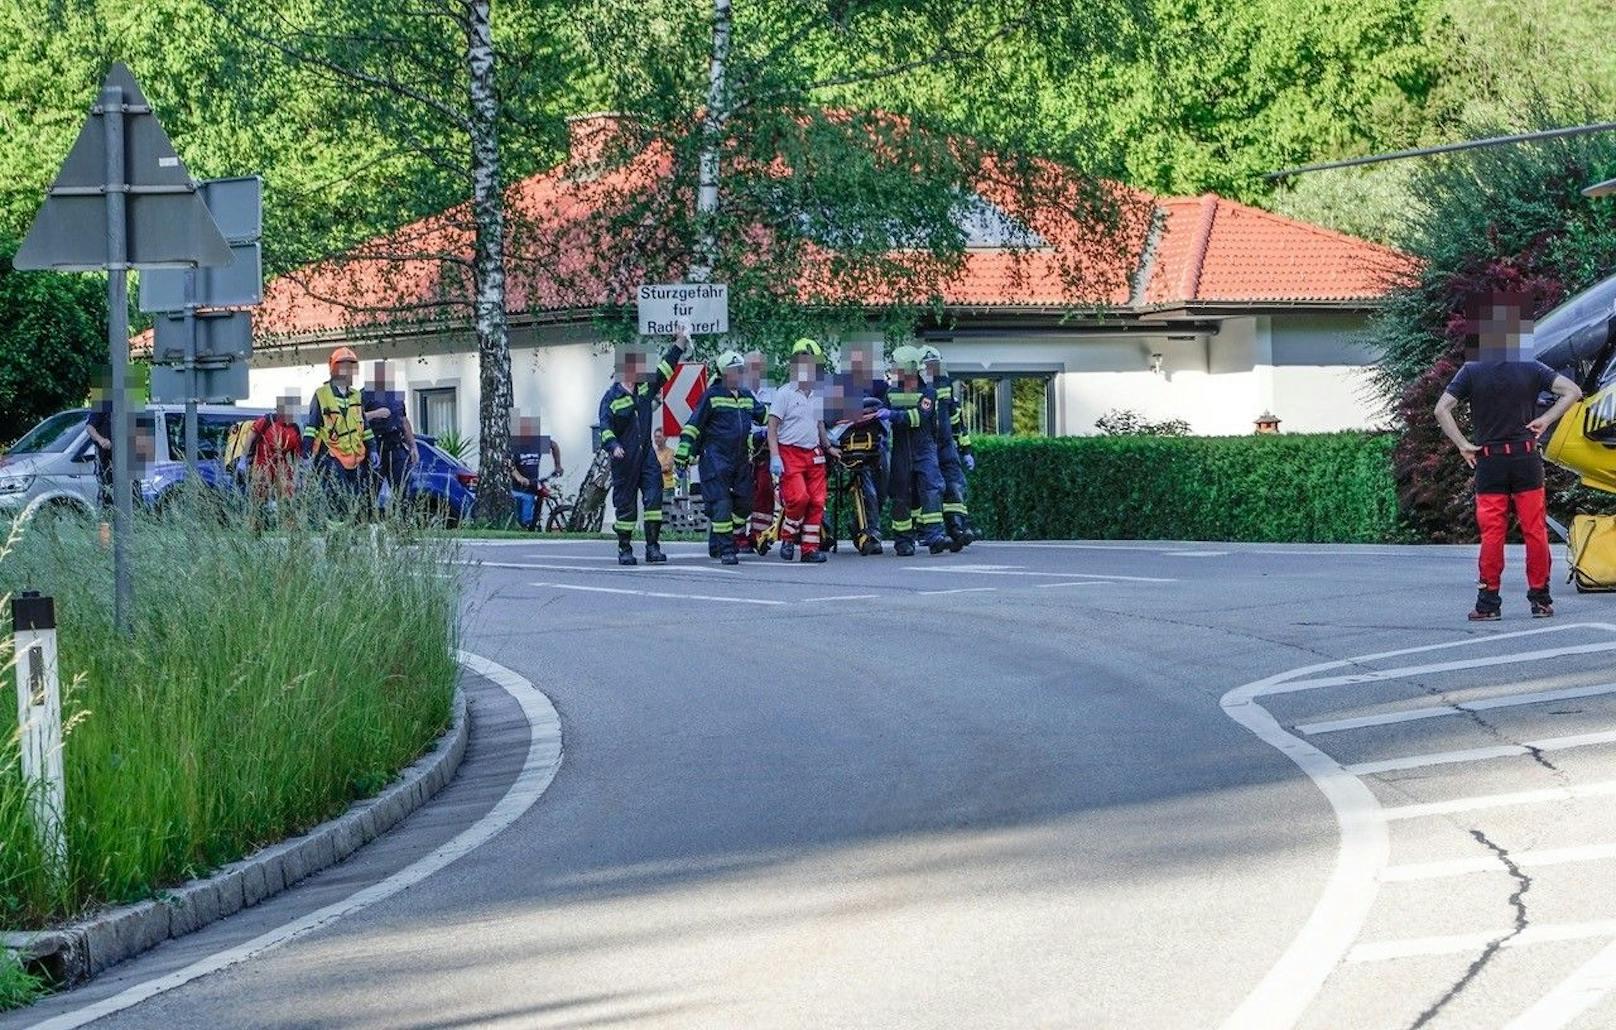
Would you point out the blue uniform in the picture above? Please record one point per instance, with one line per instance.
(953, 443)
(625, 418)
(916, 482)
(858, 396)
(720, 433)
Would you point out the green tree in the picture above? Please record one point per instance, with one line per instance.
(53, 334)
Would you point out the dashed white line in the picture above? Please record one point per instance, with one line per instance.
(1483, 753)
(1574, 995)
(1457, 708)
(1525, 859)
(1429, 809)
(1405, 671)
(1074, 583)
(659, 593)
(1465, 943)
(957, 590)
(653, 569)
(982, 570)
(841, 597)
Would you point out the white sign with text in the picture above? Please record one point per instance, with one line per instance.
(703, 307)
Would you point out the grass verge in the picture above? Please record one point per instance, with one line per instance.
(267, 684)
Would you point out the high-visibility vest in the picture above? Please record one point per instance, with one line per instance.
(342, 430)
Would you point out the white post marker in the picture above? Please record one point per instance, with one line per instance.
(702, 307)
(39, 717)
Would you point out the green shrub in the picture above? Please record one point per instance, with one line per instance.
(269, 682)
(1334, 488)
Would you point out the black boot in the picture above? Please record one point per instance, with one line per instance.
(625, 549)
(653, 550)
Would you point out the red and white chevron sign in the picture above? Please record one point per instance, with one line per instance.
(681, 394)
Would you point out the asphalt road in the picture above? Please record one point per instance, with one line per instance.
(1050, 785)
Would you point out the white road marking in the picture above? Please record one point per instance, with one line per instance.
(841, 597)
(1483, 753)
(658, 593)
(1073, 583)
(957, 590)
(1574, 995)
(538, 770)
(609, 557)
(1466, 943)
(1196, 554)
(1603, 788)
(986, 570)
(653, 569)
(1313, 729)
(1405, 671)
(1524, 859)
(1284, 994)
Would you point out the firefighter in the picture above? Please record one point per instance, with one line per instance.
(627, 411)
(762, 481)
(719, 434)
(954, 457)
(798, 446)
(916, 482)
(860, 393)
(336, 434)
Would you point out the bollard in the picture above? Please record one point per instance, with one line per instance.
(39, 717)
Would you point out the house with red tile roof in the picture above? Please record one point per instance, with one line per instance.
(1210, 311)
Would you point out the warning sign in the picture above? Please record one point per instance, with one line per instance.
(681, 394)
(703, 306)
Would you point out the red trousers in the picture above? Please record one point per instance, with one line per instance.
(802, 489)
(762, 501)
(1492, 516)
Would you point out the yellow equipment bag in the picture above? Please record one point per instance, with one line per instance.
(235, 442)
(1592, 553)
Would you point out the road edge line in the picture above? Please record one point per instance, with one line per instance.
(537, 772)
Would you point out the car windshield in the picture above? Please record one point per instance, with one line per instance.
(52, 436)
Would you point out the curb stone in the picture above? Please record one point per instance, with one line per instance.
(74, 953)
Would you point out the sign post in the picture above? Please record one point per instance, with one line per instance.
(39, 719)
(122, 200)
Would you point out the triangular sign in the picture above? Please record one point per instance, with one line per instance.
(167, 224)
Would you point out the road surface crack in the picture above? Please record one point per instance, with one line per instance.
(1517, 901)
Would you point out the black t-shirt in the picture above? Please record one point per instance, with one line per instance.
(527, 452)
(1503, 397)
(100, 420)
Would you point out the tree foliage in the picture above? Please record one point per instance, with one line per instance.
(53, 334)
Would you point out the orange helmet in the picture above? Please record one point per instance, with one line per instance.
(340, 355)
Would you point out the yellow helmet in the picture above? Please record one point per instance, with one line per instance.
(807, 346)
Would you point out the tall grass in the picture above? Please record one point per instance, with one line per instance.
(269, 681)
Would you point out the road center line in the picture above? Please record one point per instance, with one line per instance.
(1483, 753)
(652, 569)
(658, 593)
(1524, 859)
(543, 759)
(1074, 583)
(1457, 708)
(956, 590)
(841, 597)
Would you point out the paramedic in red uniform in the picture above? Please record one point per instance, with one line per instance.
(798, 447)
(1503, 392)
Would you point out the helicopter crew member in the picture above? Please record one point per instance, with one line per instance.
(719, 433)
(916, 483)
(1503, 393)
(798, 446)
(954, 457)
(627, 411)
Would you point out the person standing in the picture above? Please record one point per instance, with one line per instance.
(665, 460)
(719, 434)
(395, 437)
(954, 457)
(861, 394)
(1503, 390)
(99, 427)
(529, 446)
(798, 446)
(270, 456)
(916, 482)
(337, 437)
(627, 410)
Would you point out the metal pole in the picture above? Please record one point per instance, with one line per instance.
(39, 719)
(190, 375)
(123, 508)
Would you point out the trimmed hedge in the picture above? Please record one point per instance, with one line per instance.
(1318, 488)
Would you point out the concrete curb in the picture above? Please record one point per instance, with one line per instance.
(74, 953)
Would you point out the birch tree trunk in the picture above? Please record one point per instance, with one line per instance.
(712, 138)
(488, 275)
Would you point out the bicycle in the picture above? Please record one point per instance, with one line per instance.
(550, 509)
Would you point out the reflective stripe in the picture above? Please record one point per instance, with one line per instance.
(622, 403)
(342, 429)
(722, 527)
(690, 432)
(623, 527)
(927, 518)
(903, 526)
(954, 508)
(653, 514)
(665, 369)
(607, 436)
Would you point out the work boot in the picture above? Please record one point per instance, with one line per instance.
(713, 547)
(956, 541)
(904, 549)
(940, 545)
(871, 547)
(1542, 603)
(653, 549)
(813, 557)
(788, 550)
(1488, 605)
(729, 558)
(625, 549)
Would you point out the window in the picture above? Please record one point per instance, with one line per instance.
(52, 436)
(1006, 405)
(211, 433)
(435, 411)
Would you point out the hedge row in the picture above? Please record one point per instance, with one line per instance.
(1323, 488)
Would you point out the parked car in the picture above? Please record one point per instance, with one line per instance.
(52, 468)
(440, 484)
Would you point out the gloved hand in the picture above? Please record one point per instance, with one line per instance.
(884, 414)
(970, 463)
(776, 467)
(617, 453)
(681, 458)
